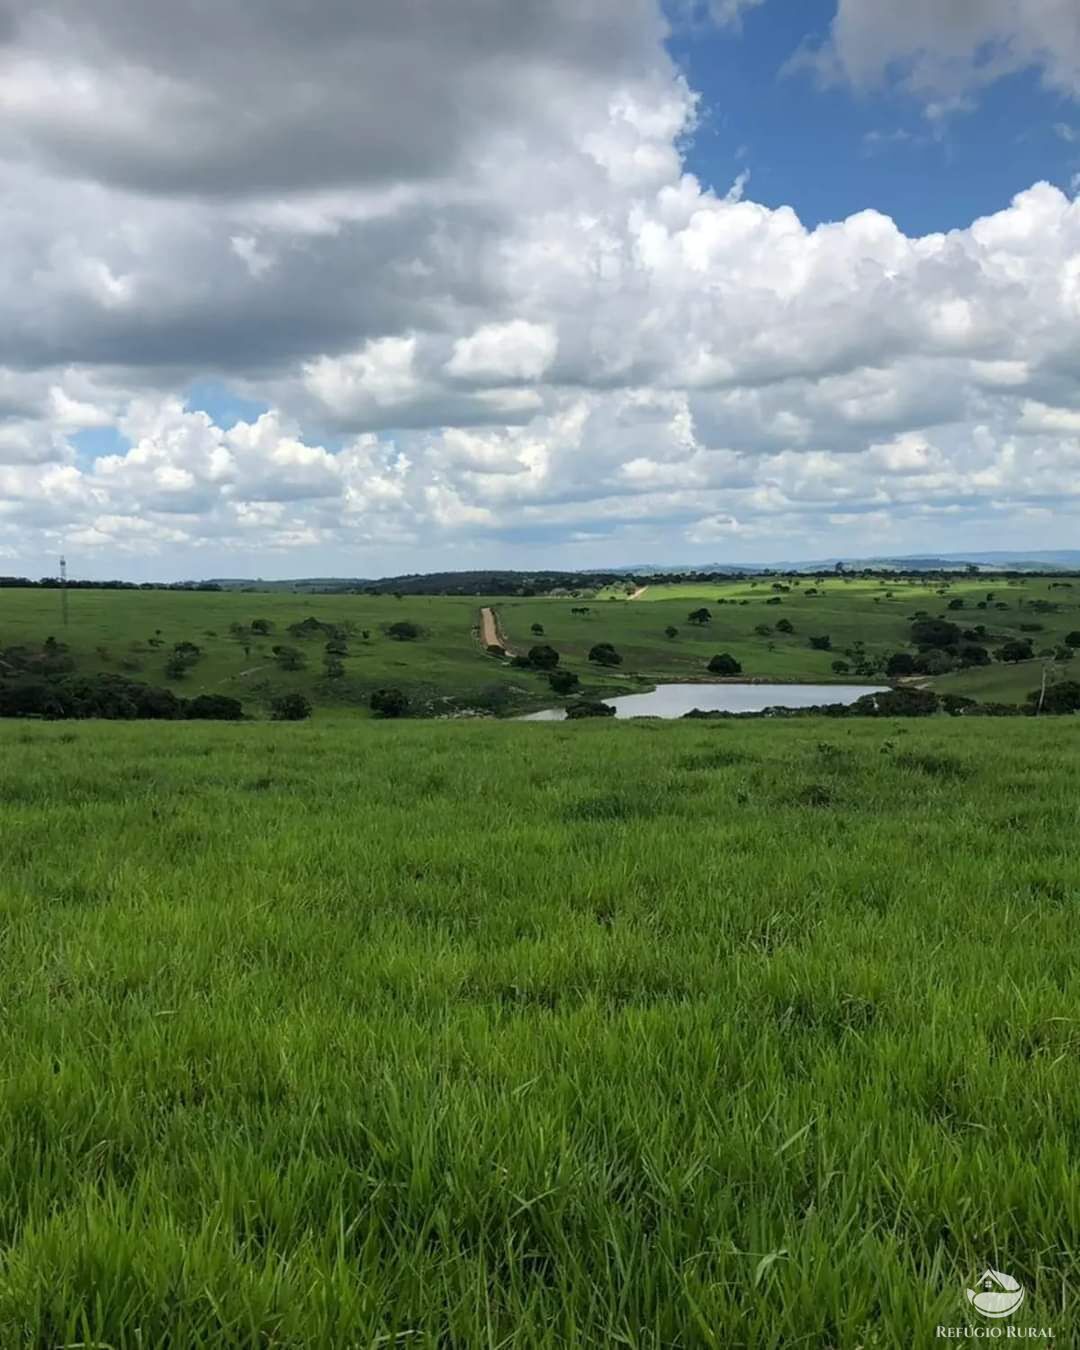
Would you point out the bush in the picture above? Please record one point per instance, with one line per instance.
(404, 631)
(289, 658)
(333, 667)
(214, 708)
(906, 702)
(1015, 651)
(934, 633)
(563, 681)
(1059, 698)
(841, 668)
(971, 654)
(699, 616)
(604, 654)
(956, 705)
(934, 662)
(900, 663)
(785, 626)
(494, 649)
(670, 632)
(543, 658)
(724, 664)
(290, 708)
(336, 647)
(588, 708)
(537, 629)
(388, 703)
(821, 644)
(1072, 639)
(263, 627)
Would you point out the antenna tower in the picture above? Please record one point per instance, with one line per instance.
(63, 592)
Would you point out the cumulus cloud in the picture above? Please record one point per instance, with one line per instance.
(946, 52)
(455, 253)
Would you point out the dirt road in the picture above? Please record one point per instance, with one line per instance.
(490, 635)
(639, 593)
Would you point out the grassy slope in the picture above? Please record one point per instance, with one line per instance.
(731, 1035)
(449, 662)
(848, 610)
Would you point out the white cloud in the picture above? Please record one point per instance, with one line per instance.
(521, 316)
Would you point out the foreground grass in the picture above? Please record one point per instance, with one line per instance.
(731, 1035)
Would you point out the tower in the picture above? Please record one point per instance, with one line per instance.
(63, 592)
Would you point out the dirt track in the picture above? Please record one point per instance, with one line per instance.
(639, 593)
(490, 635)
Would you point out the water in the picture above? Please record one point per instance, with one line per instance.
(672, 700)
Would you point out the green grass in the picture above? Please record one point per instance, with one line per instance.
(448, 670)
(348, 1034)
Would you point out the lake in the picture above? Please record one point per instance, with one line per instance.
(673, 700)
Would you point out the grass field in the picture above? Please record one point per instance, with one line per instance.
(358, 1035)
(448, 669)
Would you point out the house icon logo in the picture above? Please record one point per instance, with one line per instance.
(998, 1295)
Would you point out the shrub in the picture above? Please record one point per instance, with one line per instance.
(956, 705)
(934, 633)
(821, 644)
(905, 702)
(670, 632)
(563, 681)
(971, 654)
(785, 626)
(289, 658)
(388, 703)
(934, 662)
(1015, 651)
(604, 654)
(494, 649)
(841, 668)
(1072, 639)
(404, 631)
(337, 647)
(214, 708)
(900, 663)
(724, 664)
(955, 604)
(537, 629)
(543, 658)
(176, 667)
(588, 708)
(290, 708)
(262, 626)
(1059, 698)
(699, 616)
(333, 667)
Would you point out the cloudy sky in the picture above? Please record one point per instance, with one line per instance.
(356, 287)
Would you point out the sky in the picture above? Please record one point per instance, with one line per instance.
(351, 289)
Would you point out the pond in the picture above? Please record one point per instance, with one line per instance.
(673, 700)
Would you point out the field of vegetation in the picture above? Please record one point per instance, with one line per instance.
(360, 1034)
(336, 650)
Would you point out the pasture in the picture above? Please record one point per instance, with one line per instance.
(347, 1034)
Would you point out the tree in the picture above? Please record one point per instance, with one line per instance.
(176, 667)
(699, 616)
(289, 658)
(290, 708)
(956, 603)
(403, 631)
(841, 668)
(821, 644)
(762, 630)
(263, 627)
(1015, 651)
(724, 664)
(604, 654)
(337, 647)
(785, 626)
(543, 657)
(671, 633)
(388, 703)
(1072, 639)
(934, 633)
(563, 681)
(537, 629)
(1058, 698)
(900, 663)
(333, 667)
(972, 654)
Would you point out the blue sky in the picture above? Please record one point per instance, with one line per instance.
(832, 151)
